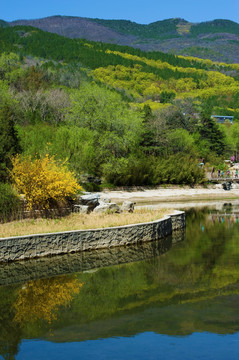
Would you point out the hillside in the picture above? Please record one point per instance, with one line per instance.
(30, 41)
(76, 27)
(116, 113)
(3, 24)
(217, 40)
(140, 76)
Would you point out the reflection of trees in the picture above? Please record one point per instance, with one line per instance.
(174, 292)
(202, 267)
(204, 264)
(41, 299)
(10, 333)
(37, 300)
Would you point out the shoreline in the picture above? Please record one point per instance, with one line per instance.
(173, 194)
(24, 247)
(74, 222)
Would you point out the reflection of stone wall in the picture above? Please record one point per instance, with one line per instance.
(32, 246)
(178, 235)
(23, 271)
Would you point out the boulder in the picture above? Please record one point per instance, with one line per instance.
(91, 200)
(127, 206)
(107, 208)
(104, 200)
(81, 209)
(227, 185)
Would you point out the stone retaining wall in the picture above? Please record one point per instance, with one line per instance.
(16, 272)
(33, 246)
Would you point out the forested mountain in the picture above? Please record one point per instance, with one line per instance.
(141, 76)
(217, 40)
(114, 112)
(3, 23)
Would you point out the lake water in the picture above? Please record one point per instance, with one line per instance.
(173, 299)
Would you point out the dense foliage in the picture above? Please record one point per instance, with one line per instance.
(9, 202)
(170, 27)
(216, 40)
(115, 113)
(157, 30)
(216, 26)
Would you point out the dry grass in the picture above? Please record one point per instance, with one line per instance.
(79, 222)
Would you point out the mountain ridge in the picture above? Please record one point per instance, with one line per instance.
(217, 40)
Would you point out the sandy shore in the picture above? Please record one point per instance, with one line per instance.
(174, 194)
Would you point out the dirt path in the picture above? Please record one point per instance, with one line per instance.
(174, 194)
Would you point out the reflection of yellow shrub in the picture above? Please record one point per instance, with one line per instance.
(42, 181)
(41, 299)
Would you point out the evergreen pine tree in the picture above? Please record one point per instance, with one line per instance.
(9, 143)
(148, 142)
(209, 130)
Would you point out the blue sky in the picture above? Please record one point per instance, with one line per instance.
(141, 11)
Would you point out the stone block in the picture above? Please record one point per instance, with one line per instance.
(81, 209)
(128, 206)
(107, 208)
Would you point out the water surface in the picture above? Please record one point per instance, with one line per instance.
(173, 299)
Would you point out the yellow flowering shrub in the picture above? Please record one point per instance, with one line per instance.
(43, 181)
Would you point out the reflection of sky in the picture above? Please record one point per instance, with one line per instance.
(146, 346)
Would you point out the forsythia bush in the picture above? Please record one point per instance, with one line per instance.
(43, 181)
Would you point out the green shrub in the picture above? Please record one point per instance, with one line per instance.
(129, 171)
(166, 96)
(10, 203)
(179, 169)
(91, 187)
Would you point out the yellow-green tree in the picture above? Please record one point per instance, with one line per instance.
(43, 181)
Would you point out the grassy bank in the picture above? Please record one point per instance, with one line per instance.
(79, 222)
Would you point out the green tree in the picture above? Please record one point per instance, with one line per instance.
(8, 62)
(129, 171)
(148, 142)
(77, 146)
(177, 116)
(210, 132)
(166, 96)
(232, 138)
(116, 128)
(10, 203)
(9, 142)
(181, 141)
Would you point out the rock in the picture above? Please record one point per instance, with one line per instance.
(81, 209)
(128, 206)
(102, 208)
(104, 200)
(91, 200)
(90, 197)
(114, 208)
(227, 185)
(107, 208)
